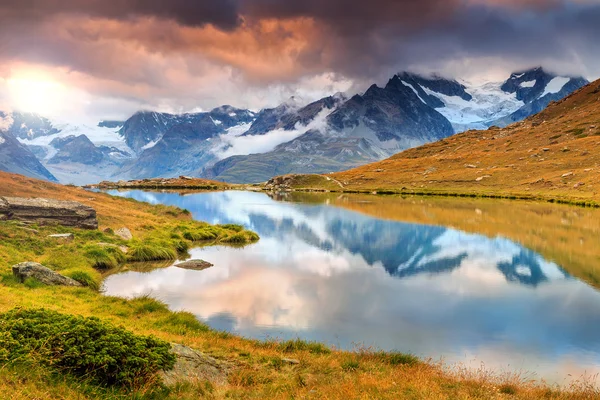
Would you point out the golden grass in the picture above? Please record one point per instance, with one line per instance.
(258, 370)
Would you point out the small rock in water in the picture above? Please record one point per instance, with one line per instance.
(124, 234)
(197, 265)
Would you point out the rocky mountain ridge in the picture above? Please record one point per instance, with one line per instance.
(330, 134)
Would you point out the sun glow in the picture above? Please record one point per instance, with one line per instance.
(37, 95)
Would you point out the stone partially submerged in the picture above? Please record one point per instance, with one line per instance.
(196, 265)
(43, 274)
(48, 212)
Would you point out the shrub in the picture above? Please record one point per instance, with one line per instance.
(83, 347)
(143, 252)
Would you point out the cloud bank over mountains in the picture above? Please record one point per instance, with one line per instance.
(180, 55)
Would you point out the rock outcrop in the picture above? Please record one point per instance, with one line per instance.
(48, 212)
(43, 274)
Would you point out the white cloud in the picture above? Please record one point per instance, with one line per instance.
(6, 122)
(234, 144)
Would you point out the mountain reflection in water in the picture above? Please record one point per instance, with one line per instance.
(325, 273)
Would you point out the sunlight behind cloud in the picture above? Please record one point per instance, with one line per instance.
(36, 95)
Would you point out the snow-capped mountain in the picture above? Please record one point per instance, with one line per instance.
(469, 106)
(73, 153)
(16, 157)
(327, 135)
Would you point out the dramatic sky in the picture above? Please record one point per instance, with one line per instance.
(107, 59)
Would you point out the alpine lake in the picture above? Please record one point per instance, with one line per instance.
(512, 286)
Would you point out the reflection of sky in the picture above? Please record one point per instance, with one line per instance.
(328, 274)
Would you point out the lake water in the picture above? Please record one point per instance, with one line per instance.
(327, 269)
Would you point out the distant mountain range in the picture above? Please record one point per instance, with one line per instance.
(237, 145)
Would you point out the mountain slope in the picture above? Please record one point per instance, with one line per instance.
(469, 106)
(18, 159)
(362, 129)
(552, 154)
(187, 145)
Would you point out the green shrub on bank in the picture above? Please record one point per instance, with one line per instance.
(83, 347)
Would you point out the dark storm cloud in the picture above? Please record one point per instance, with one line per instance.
(222, 13)
(145, 46)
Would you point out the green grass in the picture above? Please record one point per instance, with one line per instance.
(302, 345)
(85, 279)
(146, 252)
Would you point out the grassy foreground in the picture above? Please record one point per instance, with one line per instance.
(258, 369)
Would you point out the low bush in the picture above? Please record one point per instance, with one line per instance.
(83, 347)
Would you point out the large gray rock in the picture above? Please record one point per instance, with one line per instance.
(48, 212)
(45, 275)
(192, 365)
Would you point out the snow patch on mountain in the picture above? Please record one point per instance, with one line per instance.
(489, 103)
(414, 90)
(528, 84)
(555, 85)
(150, 144)
(99, 136)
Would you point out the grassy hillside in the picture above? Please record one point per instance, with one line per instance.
(553, 154)
(257, 369)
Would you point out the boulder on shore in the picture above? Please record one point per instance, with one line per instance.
(43, 274)
(48, 212)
